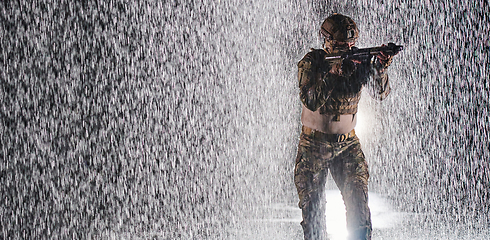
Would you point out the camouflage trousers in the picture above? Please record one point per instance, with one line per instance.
(349, 169)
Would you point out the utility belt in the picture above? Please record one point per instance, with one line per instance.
(327, 137)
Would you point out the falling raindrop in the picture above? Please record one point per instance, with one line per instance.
(180, 119)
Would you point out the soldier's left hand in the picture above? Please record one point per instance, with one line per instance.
(385, 57)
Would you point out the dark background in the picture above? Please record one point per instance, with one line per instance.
(180, 119)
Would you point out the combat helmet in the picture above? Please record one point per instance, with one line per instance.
(339, 28)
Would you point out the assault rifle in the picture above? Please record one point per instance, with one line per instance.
(390, 49)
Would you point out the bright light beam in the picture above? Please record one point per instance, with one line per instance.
(382, 215)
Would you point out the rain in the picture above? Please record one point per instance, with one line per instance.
(180, 119)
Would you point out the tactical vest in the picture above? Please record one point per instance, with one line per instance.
(343, 104)
(344, 99)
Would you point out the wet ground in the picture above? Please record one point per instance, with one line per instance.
(284, 223)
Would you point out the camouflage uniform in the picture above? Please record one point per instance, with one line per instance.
(318, 152)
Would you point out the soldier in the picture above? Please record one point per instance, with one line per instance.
(330, 92)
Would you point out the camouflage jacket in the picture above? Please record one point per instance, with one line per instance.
(339, 94)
